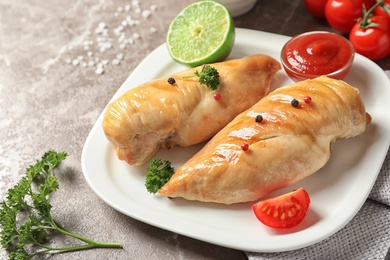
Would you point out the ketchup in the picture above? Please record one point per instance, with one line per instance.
(316, 54)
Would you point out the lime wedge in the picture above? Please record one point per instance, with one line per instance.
(201, 33)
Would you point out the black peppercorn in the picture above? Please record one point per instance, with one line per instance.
(171, 81)
(259, 118)
(294, 103)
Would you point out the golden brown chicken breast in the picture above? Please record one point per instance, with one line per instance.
(159, 114)
(282, 139)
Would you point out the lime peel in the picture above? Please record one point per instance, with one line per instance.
(201, 33)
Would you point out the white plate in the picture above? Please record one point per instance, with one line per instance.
(337, 191)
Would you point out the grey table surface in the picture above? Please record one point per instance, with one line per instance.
(60, 64)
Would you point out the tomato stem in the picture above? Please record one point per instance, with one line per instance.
(366, 23)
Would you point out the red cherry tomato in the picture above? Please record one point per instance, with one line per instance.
(380, 11)
(372, 42)
(316, 7)
(284, 211)
(369, 3)
(342, 14)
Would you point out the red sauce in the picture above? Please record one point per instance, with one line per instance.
(318, 53)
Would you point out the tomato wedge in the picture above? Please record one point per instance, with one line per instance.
(284, 211)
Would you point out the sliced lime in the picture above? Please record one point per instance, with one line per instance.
(201, 33)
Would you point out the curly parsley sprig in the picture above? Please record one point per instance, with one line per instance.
(157, 174)
(208, 75)
(26, 221)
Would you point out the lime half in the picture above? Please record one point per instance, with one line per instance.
(201, 33)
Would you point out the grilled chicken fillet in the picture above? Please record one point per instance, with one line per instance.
(158, 114)
(289, 144)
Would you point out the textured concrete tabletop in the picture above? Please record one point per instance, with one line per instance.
(60, 63)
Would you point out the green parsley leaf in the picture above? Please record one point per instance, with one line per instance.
(158, 173)
(209, 76)
(26, 222)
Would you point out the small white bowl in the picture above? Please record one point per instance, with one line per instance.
(238, 7)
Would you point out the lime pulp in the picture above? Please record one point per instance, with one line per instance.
(201, 33)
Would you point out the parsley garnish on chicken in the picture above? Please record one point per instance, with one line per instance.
(208, 75)
(158, 173)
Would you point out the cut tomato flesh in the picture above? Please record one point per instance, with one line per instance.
(284, 211)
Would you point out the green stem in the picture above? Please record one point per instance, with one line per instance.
(65, 231)
(58, 227)
(87, 240)
(386, 8)
(90, 242)
(366, 23)
(76, 248)
(367, 14)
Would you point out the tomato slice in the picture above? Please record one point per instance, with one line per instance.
(284, 211)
